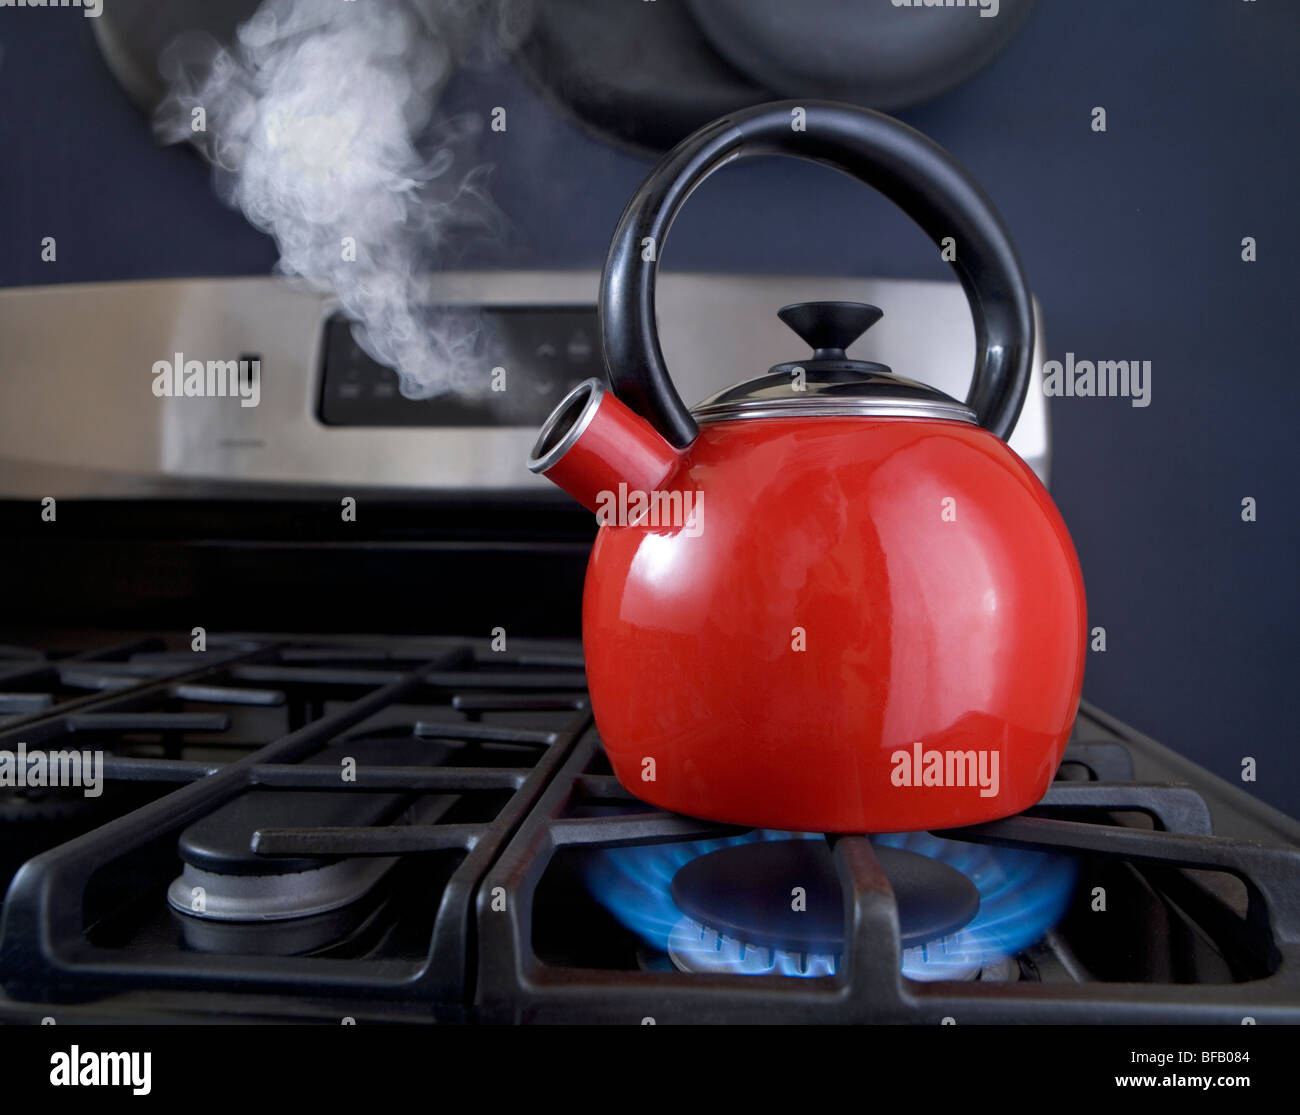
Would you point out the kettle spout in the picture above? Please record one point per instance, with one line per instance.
(592, 443)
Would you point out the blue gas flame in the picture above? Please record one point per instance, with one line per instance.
(1022, 895)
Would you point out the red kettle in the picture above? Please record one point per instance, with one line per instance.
(828, 599)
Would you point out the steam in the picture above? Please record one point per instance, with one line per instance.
(321, 124)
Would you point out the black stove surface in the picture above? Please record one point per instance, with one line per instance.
(314, 828)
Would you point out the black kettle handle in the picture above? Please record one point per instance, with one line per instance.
(912, 171)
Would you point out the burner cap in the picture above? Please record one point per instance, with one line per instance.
(745, 892)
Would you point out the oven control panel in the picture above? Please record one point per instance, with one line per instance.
(83, 420)
(530, 356)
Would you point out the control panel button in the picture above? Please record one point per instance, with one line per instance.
(544, 349)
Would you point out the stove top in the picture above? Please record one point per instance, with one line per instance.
(319, 828)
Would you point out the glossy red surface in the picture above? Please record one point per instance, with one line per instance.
(617, 446)
(851, 589)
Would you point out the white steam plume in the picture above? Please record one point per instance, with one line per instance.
(321, 123)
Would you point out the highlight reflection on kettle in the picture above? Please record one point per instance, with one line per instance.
(828, 599)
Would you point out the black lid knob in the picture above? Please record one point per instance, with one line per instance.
(830, 327)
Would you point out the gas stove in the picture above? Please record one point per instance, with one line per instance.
(327, 828)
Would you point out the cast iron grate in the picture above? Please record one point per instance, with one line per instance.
(33, 681)
(193, 732)
(183, 735)
(1176, 840)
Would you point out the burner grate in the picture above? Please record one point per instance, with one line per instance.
(501, 780)
(34, 681)
(1075, 816)
(250, 718)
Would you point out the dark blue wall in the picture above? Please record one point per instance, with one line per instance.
(1131, 238)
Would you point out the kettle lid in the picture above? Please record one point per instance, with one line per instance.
(830, 383)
